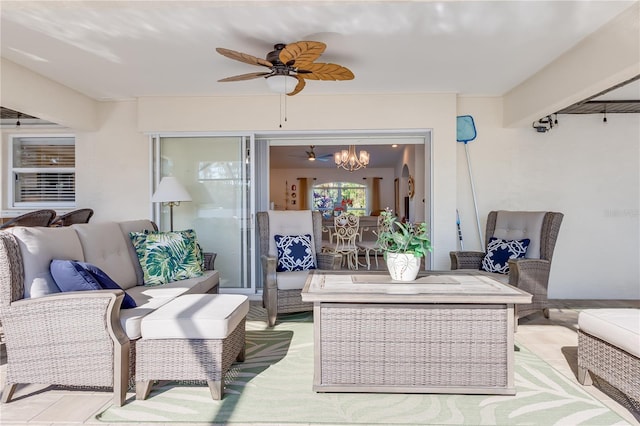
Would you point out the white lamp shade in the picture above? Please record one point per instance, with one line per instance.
(282, 83)
(170, 190)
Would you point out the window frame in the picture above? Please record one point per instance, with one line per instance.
(13, 171)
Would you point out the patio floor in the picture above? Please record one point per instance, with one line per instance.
(554, 340)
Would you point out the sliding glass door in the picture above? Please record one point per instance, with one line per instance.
(217, 173)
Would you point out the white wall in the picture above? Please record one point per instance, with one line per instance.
(112, 166)
(588, 170)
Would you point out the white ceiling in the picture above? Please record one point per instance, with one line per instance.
(124, 50)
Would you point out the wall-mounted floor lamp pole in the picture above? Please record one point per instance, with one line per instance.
(170, 192)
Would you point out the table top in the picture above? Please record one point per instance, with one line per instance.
(464, 287)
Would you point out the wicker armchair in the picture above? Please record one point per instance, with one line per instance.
(34, 218)
(281, 291)
(68, 339)
(76, 216)
(530, 274)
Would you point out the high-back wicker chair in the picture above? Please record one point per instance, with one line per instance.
(76, 216)
(530, 274)
(35, 218)
(281, 291)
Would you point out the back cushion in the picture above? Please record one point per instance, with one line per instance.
(105, 246)
(136, 226)
(290, 222)
(39, 246)
(520, 225)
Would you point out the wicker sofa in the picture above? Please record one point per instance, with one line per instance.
(81, 338)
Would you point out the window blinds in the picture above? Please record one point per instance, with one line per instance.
(44, 170)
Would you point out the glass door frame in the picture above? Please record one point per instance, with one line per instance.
(251, 266)
(259, 162)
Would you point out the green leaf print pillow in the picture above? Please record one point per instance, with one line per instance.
(168, 256)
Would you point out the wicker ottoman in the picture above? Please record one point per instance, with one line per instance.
(609, 346)
(193, 337)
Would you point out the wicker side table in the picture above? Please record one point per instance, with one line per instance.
(193, 337)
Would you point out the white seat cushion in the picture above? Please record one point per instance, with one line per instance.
(131, 319)
(150, 298)
(619, 327)
(196, 316)
(293, 280)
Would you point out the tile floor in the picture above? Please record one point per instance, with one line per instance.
(553, 340)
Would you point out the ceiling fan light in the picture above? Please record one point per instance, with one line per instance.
(283, 84)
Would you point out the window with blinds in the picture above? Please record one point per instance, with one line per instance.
(43, 171)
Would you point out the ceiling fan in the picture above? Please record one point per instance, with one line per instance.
(289, 63)
(311, 155)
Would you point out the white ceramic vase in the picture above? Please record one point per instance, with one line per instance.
(403, 266)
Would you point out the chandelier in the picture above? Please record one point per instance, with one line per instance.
(348, 160)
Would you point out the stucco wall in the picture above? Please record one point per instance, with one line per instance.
(585, 169)
(588, 170)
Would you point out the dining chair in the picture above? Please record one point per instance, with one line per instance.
(346, 231)
(372, 246)
(42, 217)
(76, 216)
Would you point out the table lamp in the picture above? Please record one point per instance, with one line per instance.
(171, 192)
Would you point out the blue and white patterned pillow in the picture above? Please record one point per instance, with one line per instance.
(499, 252)
(294, 253)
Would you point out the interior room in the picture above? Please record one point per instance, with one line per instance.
(214, 122)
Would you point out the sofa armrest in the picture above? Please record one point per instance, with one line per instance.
(269, 272)
(329, 261)
(72, 339)
(466, 259)
(71, 316)
(209, 261)
(530, 275)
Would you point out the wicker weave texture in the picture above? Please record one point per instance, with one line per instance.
(291, 301)
(414, 346)
(530, 275)
(611, 363)
(188, 359)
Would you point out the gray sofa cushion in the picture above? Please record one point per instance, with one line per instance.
(136, 226)
(39, 246)
(520, 225)
(104, 246)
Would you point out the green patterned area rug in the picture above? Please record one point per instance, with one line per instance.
(273, 386)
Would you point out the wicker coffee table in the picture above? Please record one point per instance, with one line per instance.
(446, 332)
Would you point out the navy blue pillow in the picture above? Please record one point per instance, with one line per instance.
(500, 251)
(294, 253)
(71, 275)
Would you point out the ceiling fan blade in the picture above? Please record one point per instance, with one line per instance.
(302, 52)
(322, 71)
(299, 86)
(241, 77)
(243, 57)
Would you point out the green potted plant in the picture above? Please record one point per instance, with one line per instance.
(403, 246)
